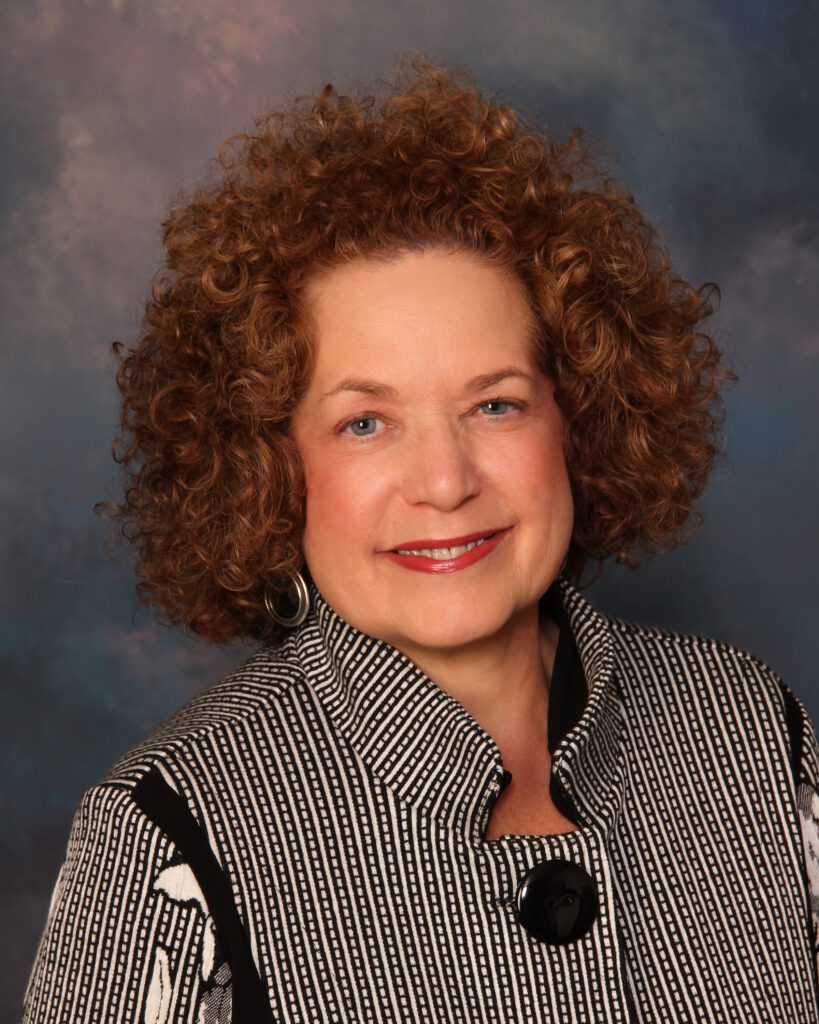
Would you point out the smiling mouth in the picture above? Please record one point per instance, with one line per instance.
(444, 550)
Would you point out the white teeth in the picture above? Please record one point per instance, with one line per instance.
(441, 554)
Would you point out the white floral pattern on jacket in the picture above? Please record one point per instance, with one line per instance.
(178, 883)
(808, 803)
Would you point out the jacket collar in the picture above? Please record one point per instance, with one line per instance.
(428, 748)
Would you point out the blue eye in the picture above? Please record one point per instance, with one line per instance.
(357, 423)
(500, 401)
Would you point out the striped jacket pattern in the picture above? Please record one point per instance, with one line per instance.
(304, 841)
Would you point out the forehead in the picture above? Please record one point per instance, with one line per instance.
(452, 311)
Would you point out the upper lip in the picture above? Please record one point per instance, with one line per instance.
(451, 542)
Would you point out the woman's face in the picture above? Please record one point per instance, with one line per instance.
(404, 442)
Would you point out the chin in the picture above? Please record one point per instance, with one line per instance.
(451, 631)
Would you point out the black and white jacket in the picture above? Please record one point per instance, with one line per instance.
(304, 841)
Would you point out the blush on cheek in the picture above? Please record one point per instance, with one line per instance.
(337, 507)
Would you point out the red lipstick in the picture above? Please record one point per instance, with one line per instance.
(422, 563)
(451, 542)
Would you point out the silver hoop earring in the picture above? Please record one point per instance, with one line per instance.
(301, 599)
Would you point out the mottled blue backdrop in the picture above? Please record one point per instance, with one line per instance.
(110, 106)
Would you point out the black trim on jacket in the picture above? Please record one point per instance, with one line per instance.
(169, 812)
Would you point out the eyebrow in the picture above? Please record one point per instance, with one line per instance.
(379, 390)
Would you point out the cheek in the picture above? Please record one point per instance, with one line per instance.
(533, 467)
(553, 472)
(342, 502)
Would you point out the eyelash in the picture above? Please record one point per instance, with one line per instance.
(374, 415)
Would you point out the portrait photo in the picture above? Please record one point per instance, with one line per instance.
(409, 503)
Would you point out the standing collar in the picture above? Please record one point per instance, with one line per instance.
(425, 745)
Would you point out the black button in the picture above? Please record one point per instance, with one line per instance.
(557, 901)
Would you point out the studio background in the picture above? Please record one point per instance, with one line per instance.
(109, 107)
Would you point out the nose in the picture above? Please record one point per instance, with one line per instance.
(439, 467)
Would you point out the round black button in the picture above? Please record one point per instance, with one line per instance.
(557, 901)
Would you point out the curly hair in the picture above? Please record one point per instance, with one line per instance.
(215, 494)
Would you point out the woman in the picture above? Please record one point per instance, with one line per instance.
(409, 368)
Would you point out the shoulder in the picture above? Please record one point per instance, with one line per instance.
(713, 677)
(265, 687)
(689, 658)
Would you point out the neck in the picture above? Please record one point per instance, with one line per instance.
(503, 681)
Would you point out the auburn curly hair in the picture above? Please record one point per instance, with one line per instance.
(215, 493)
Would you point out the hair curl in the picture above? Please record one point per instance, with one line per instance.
(215, 493)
